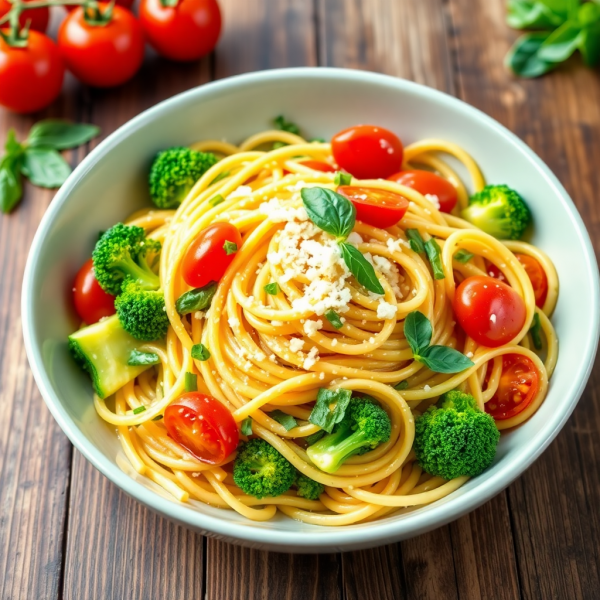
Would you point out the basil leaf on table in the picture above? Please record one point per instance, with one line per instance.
(196, 299)
(523, 60)
(284, 419)
(361, 268)
(329, 211)
(45, 167)
(325, 417)
(589, 41)
(561, 43)
(532, 14)
(417, 331)
(11, 184)
(60, 135)
(443, 359)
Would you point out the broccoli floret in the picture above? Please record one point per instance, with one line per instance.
(364, 426)
(124, 251)
(455, 439)
(259, 470)
(174, 173)
(308, 488)
(499, 211)
(142, 312)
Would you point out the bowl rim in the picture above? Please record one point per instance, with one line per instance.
(346, 537)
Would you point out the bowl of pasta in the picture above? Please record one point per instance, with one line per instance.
(311, 310)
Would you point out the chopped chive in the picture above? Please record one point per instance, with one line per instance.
(403, 385)
(334, 319)
(283, 419)
(139, 409)
(157, 418)
(342, 178)
(191, 382)
(200, 352)
(416, 241)
(215, 200)
(247, 426)
(462, 256)
(230, 247)
(535, 331)
(434, 254)
(272, 288)
(220, 176)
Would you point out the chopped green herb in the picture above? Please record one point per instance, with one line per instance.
(138, 359)
(220, 176)
(416, 241)
(342, 178)
(230, 247)
(157, 418)
(272, 288)
(315, 437)
(216, 200)
(323, 414)
(139, 409)
(361, 268)
(191, 382)
(283, 419)
(434, 254)
(277, 145)
(462, 256)
(200, 352)
(403, 385)
(282, 123)
(247, 426)
(536, 331)
(334, 319)
(196, 299)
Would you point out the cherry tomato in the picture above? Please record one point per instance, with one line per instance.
(207, 259)
(31, 77)
(368, 152)
(519, 384)
(318, 165)
(203, 426)
(186, 31)
(39, 17)
(375, 207)
(535, 272)
(489, 311)
(122, 3)
(428, 183)
(102, 55)
(91, 301)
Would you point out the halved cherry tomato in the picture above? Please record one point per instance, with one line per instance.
(207, 259)
(428, 183)
(203, 426)
(535, 272)
(375, 207)
(519, 384)
(38, 17)
(91, 301)
(489, 311)
(318, 165)
(368, 152)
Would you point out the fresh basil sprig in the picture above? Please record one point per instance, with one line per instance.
(330, 408)
(441, 359)
(336, 215)
(38, 158)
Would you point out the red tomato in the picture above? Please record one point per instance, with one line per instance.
(186, 31)
(39, 17)
(318, 165)
(31, 77)
(519, 384)
(489, 311)
(102, 55)
(206, 259)
(535, 272)
(203, 426)
(375, 207)
(91, 301)
(368, 152)
(122, 3)
(426, 182)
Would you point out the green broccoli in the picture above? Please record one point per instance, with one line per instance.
(103, 350)
(455, 439)
(142, 312)
(174, 173)
(365, 425)
(308, 488)
(124, 251)
(259, 470)
(499, 211)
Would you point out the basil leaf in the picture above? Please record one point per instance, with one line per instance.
(536, 331)
(326, 417)
(589, 43)
(434, 254)
(416, 241)
(561, 43)
(247, 426)
(417, 331)
(314, 438)
(191, 382)
(12, 146)
(272, 288)
(200, 352)
(196, 299)
(462, 256)
(329, 211)
(523, 59)
(283, 419)
(342, 178)
(403, 385)
(60, 135)
(139, 409)
(11, 185)
(138, 359)
(443, 359)
(334, 319)
(285, 125)
(45, 167)
(532, 14)
(361, 268)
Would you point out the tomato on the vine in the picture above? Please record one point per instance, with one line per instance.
(91, 301)
(518, 386)
(535, 272)
(181, 30)
(102, 49)
(489, 311)
(38, 18)
(122, 3)
(31, 76)
(431, 184)
(210, 254)
(368, 152)
(203, 426)
(379, 208)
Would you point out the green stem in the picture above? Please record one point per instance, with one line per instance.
(18, 7)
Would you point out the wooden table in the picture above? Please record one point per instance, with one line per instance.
(66, 532)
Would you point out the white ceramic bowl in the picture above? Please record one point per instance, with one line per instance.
(110, 183)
